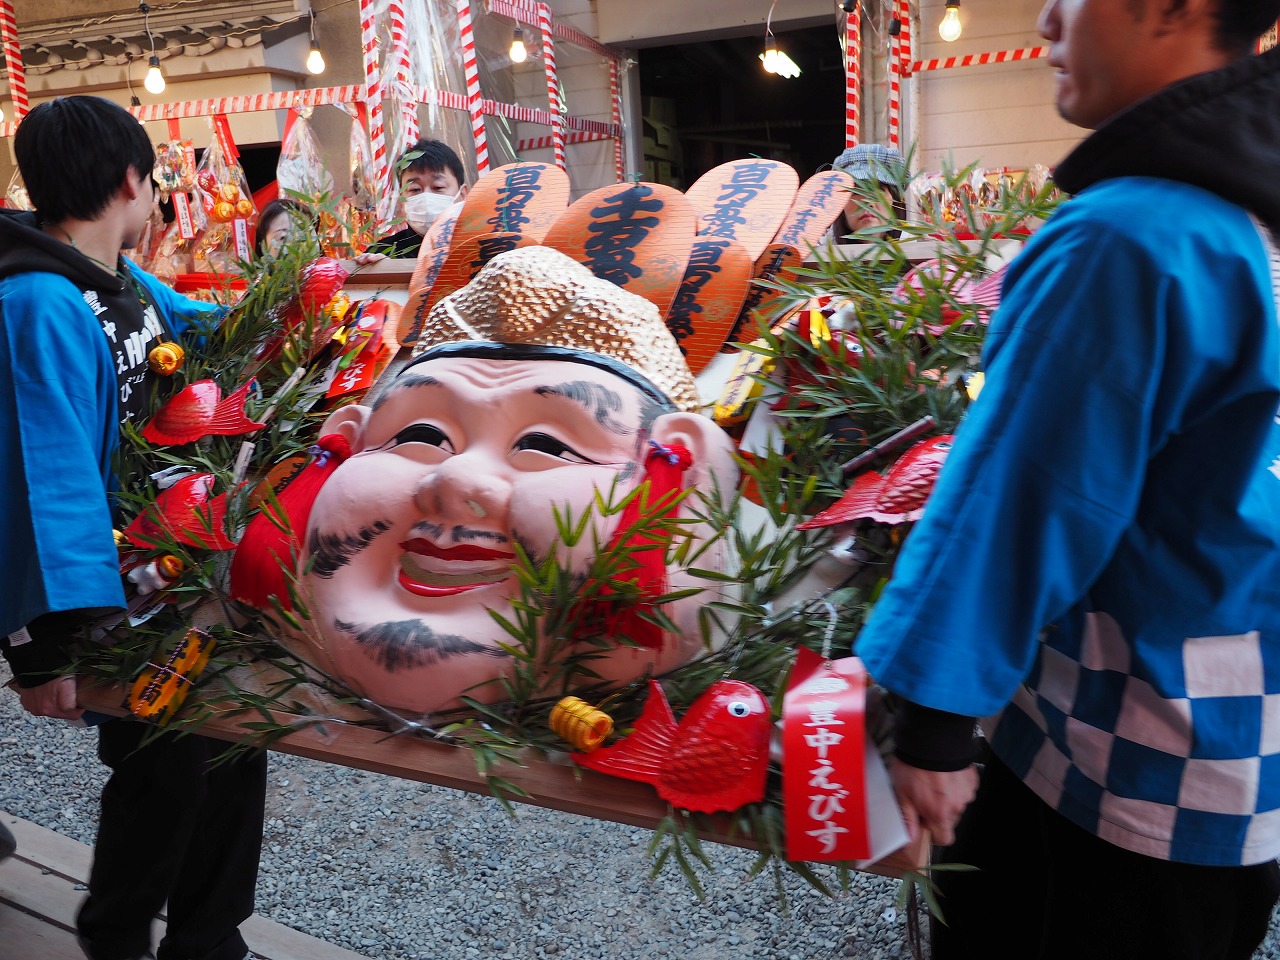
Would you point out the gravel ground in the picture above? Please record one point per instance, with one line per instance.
(395, 870)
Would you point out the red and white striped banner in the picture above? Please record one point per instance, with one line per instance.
(895, 80)
(13, 60)
(377, 127)
(853, 76)
(403, 77)
(542, 143)
(354, 93)
(978, 59)
(905, 37)
(553, 84)
(571, 130)
(526, 12)
(254, 103)
(472, 73)
(615, 100)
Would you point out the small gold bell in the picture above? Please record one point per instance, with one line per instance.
(166, 358)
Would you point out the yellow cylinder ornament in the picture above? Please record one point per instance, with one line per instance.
(166, 358)
(581, 724)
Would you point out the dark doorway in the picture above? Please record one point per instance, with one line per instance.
(709, 102)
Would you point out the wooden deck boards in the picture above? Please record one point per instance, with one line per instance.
(39, 899)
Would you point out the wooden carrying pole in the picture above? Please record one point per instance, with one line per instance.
(553, 783)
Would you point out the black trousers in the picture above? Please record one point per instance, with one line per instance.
(173, 828)
(1048, 890)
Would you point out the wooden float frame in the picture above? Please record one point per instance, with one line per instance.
(553, 782)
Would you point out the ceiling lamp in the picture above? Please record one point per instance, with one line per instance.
(776, 61)
(519, 54)
(949, 28)
(315, 59)
(154, 81)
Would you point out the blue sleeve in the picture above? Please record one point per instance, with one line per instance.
(57, 434)
(180, 312)
(1045, 475)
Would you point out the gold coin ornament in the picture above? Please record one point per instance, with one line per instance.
(166, 358)
(580, 724)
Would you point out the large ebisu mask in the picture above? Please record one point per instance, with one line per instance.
(532, 388)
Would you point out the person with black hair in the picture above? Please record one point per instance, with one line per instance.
(77, 322)
(280, 221)
(432, 179)
(1098, 570)
(878, 172)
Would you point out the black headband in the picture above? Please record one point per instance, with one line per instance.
(532, 351)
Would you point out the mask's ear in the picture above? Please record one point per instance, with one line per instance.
(272, 540)
(714, 474)
(349, 422)
(714, 470)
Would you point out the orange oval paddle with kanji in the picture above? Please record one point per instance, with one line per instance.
(465, 259)
(636, 235)
(431, 257)
(778, 261)
(815, 208)
(744, 200)
(523, 198)
(710, 298)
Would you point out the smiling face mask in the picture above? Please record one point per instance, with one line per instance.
(421, 209)
(535, 393)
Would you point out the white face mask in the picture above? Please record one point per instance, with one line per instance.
(421, 210)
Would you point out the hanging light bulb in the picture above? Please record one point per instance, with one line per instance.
(1, 114)
(770, 56)
(154, 81)
(949, 28)
(518, 52)
(135, 102)
(776, 61)
(315, 59)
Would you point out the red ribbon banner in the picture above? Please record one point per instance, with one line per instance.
(355, 369)
(222, 129)
(823, 759)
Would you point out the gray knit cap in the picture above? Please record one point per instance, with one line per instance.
(872, 161)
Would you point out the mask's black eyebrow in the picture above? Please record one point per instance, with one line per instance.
(598, 400)
(408, 381)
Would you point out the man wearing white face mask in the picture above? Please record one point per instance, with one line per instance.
(432, 179)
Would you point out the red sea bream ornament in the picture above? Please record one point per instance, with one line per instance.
(895, 497)
(185, 513)
(716, 758)
(199, 410)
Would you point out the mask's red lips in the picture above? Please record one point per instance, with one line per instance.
(462, 552)
(430, 570)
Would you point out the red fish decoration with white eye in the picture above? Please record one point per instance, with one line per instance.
(200, 410)
(715, 758)
(895, 497)
(318, 303)
(187, 512)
